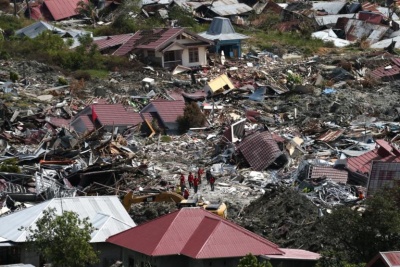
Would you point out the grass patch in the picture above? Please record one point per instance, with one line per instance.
(97, 73)
(273, 39)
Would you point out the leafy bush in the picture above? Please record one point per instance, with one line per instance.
(192, 117)
(10, 165)
(13, 76)
(166, 139)
(62, 81)
(82, 75)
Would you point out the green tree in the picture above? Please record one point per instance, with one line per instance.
(63, 240)
(251, 261)
(354, 237)
(192, 117)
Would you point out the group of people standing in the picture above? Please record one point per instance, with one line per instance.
(195, 181)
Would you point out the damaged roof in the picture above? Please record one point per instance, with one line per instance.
(62, 9)
(115, 114)
(383, 175)
(195, 233)
(383, 152)
(229, 7)
(35, 29)
(260, 150)
(168, 110)
(338, 176)
(106, 213)
(105, 42)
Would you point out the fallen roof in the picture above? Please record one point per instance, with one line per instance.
(260, 150)
(338, 176)
(105, 212)
(105, 42)
(222, 29)
(37, 28)
(382, 175)
(62, 9)
(388, 71)
(115, 114)
(168, 110)
(195, 233)
(229, 7)
(383, 152)
(357, 29)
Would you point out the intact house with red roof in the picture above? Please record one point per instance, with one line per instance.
(105, 116)
(195, 237)
(167, 47)
(162, 114)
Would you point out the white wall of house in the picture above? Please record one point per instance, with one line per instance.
(202, 58)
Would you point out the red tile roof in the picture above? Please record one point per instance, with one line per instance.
(166, 109)
(383, 152)
(385, 72)
(338, 176)
(115, 114)
(260, 150)
(61, 9)
(382, 175)
(195, 233)
(112, 41)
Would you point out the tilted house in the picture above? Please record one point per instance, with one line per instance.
(195, 237)
(105, 116)
(225, 38)
(167, 47)
(163, 113)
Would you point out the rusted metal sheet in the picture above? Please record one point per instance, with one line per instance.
(330, 135)
(383, 174)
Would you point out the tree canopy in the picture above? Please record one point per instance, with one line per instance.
(251, 261)
(192, 117)
(356, 236)
(63, 240)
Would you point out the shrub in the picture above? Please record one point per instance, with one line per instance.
(166, 139)
(192, 117)
(10, 165)
(62, 81)
(13, 76)
(82, 75)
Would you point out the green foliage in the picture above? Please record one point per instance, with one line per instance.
(13, 76)
(62, 81)
(63, 240)
(185, 19)
(356, 237)
(10, 165)
(192, 117)
(166, 139)
(294, 78)
(251, 261)
(82, 75)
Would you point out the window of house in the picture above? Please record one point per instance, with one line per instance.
(169, 56)
(193, 55)
(131, 262)
(151, 54)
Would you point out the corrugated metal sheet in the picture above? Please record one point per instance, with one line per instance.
(112, 41)
(330, 7)
(296, 254)
(217, 239)
(357, 29)
(226, 9)
(392, 258)
(367, 6)
(195, 233)
(338, 176)
(383, 174)
(386, 73)
(128, 45)
(330, 135)
(33, 30)
(370, 17)
(260, 150)
(62, 9)
(362, 164)
(89, 207)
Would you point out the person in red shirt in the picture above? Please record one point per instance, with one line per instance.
(186, 193)
(195, 184)
(212, 181)
(182, 182)
(190, 179)
(199, 173)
